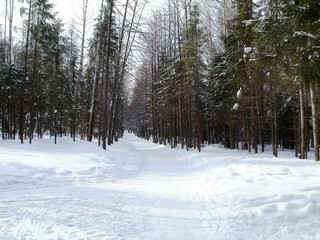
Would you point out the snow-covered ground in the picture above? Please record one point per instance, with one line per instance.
(137, 190)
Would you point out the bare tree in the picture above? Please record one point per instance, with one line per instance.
(129, 22)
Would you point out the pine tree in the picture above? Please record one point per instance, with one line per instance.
(219, 100)
(192, 76)
(72, 74)
(305, 15)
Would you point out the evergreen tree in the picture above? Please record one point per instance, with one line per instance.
(219, 100)
(192, 77)
(10, 80)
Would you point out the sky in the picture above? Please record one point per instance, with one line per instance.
(70, 9)
(67, 9)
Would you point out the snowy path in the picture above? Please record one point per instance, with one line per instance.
(140, 191)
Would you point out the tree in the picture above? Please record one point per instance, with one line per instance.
(173, 101)
(192, 73)
(306, 16)
(80, 24)
(72, 75)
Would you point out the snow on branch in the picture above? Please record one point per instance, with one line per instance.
(247, 50)
(305, 34)
(239, 93)
(236, 106)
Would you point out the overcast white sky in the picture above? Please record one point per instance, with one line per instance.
(68, 9)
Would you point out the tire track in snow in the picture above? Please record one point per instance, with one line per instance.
(51, 219)
(159, 195)
(167, 214)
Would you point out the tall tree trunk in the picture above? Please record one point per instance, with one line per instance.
(302, 123)
(261, 117)
(5, 30)
(83, 36)
(82, 118)
(22, 89)
(11, 11)
(275, 115)
(94, 86)
(33, 87)
(104, 141)
(314, 121)
(93, 97)
(275, 130)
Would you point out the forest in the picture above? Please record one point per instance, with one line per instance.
(187, 74)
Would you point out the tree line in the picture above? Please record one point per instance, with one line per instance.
(55, 80)
(242, 73)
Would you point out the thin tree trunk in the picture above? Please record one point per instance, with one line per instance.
(275, 131)
(275, 117)
(92, 102)
(94, 86)
(33, 87)
(314, 121)
(22, 93)
(302, 124)
(5, 28)
(11, 10)
(104, 140)
(83, 36)
(261, 117)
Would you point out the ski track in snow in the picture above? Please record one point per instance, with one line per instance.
(137, 190)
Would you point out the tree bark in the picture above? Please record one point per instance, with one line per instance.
(314, 121)
(22, 90)
(94, 86)
(302, 124)
(104, 140)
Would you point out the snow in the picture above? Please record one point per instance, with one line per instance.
(239, 92)
(236, 106)
(247, 50)
(136, 190)
(305, 34)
